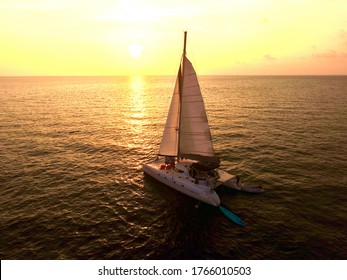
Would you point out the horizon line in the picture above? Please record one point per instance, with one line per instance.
(170, 75)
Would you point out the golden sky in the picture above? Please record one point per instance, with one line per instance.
(145, 37)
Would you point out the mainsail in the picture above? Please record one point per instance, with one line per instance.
(187, 133)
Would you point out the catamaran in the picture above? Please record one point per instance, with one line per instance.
(186, 161)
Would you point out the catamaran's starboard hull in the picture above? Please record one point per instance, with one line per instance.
(246, 187)
(181, 183)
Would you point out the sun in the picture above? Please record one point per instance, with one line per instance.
(135, 50)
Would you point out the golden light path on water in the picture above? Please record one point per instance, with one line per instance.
(138, 110)
(72, 185)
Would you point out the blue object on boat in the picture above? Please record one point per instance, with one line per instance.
(231, 216)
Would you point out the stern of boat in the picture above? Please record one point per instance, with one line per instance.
(213, 199)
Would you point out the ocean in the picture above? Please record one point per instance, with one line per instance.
(72, 187)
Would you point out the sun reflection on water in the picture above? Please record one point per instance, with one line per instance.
(137, 85)
(137, 111)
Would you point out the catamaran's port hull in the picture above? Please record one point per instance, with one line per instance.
(182, 183)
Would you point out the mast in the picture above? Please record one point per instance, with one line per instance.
(185, 43)
(181, 81)
(171, 137)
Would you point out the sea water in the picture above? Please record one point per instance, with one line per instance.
(72, 149)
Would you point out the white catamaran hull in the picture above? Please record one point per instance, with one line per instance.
(179, 179)
(233, 183)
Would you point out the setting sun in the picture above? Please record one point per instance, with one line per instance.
(135, 50)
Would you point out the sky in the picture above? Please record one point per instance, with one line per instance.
(145, 37)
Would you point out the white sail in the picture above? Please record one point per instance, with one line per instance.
(169, 142)
(194, 131)
(187, 133)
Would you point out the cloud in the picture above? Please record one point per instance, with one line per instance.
(343, 37)
(269, 57)
(343, 34)
(36, 5)
(331, 55)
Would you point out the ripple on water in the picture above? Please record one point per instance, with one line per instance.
(72, 187)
